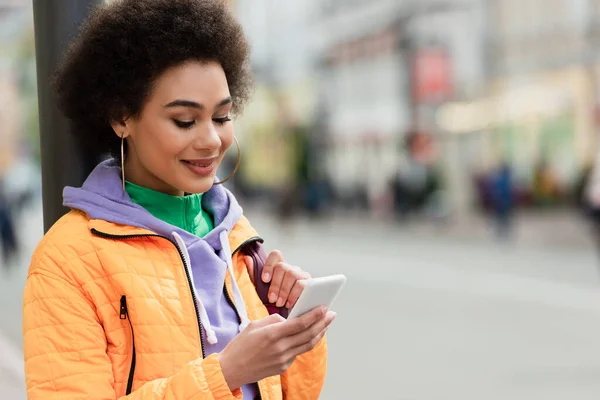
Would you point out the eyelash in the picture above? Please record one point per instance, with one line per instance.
(190, 124)
(222, 121)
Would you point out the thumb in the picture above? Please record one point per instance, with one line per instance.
(273, 259)
(249, 267)
(270, 320)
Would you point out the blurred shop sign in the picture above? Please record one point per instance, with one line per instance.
(432, 75)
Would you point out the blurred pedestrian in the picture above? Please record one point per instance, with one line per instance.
(150, 287)
(292, 198)
(417, 186)
(581, 185)
(546, 189)
(8, 234)
(502, 199)
(591, 200)
(482, 184)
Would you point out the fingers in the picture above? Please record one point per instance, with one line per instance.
(296, 291)
(285, 288)
(296, 325)
(249, 266)
(279, 272)
(290, 279)
(285, 278)
(273, 259)
(310, 344)
(311, 334)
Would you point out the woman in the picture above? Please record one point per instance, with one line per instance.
(148, 287)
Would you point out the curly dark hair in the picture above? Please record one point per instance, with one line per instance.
(124, 46)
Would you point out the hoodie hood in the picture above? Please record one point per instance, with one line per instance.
(102, 197)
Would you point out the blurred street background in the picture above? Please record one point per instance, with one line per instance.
(437, 152)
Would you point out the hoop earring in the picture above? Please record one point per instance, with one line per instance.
(237, 164)
(123, 161)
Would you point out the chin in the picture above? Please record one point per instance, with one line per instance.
(200, 186)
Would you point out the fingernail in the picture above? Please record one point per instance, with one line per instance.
(288, 305)
(272, 298)
(266, 277)
(280, 302)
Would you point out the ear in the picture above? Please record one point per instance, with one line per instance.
(121, 128)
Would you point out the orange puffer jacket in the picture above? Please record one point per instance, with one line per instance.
(84, 338)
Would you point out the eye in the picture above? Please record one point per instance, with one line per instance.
(221, 121)
(184, 124)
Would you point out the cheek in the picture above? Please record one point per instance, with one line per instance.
(166, 139)
(158, 145)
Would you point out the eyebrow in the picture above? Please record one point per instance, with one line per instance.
(193, 104)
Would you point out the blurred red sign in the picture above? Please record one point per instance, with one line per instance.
(432, 74)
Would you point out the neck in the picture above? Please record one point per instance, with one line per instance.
(140, 176)
(184, 212)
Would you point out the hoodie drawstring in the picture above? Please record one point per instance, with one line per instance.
(237, 294)
(211, 336)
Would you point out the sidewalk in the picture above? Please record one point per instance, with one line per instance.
(558, 230)
(12, 376)
(11, 388)
(563, 228)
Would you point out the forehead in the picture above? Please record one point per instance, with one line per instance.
(203, 82)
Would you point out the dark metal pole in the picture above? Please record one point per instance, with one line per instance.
(63, 164)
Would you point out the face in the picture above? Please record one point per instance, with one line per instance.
(183, 131)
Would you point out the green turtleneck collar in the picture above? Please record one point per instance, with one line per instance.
(184, 212)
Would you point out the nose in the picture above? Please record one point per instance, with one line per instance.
(207, 138)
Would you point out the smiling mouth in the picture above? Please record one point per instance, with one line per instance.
(202, 167)
(203, 164)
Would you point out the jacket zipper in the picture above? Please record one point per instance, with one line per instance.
(189, 278)
(231, 303)
(190, 283)
(124, 314)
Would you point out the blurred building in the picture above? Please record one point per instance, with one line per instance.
(541, 104)
(542, 56)
(14, 18)
(385, 68)
(364, 86)
(283, 62)
(457, 30)
(491, 80)
(7, 4)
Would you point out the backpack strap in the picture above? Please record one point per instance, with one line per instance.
(256, 251)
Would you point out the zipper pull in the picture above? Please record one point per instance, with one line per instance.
(123, 314)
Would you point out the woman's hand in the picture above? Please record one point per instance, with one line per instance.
(269, 346)
(287, 281)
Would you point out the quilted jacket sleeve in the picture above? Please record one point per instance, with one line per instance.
(65, 350)
(305, 378)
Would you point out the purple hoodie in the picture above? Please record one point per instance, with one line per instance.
(208, 258)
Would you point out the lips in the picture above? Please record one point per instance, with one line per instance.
(202, 167)
(199, 163)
